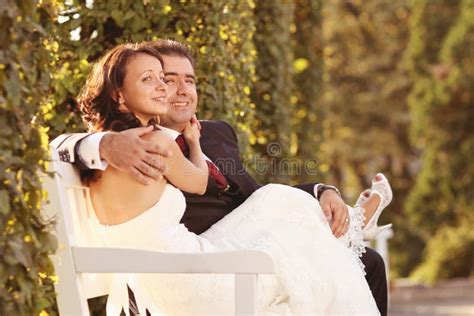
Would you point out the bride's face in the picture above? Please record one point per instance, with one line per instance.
(144, 92)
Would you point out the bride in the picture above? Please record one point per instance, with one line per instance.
(316, 273)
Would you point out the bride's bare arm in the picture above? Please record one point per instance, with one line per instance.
(189, 176)
(192, 135)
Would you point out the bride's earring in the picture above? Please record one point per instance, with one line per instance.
(122, 105)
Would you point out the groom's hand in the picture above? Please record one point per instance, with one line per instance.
(128, 152)
(336, 212)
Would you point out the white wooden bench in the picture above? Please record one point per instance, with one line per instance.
(84, 267)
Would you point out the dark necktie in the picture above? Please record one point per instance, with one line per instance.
(221, 181)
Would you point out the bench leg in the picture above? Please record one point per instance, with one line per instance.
(245, 294)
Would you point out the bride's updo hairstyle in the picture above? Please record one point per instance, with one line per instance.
(98, 99)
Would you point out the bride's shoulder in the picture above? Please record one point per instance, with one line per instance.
(164, 140)
(159, 135)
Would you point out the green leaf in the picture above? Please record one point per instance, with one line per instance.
(4, 202)
(117, 15)
(21, 255)
(129, 15)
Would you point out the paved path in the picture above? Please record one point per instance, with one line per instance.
(449, 298)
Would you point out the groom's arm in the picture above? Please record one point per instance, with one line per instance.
(125, 150)
(67, 146)
(307, 187)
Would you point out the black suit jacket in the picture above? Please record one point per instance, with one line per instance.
(219, 143)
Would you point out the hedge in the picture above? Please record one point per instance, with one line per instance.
(26, 273)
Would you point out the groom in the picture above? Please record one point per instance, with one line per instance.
(128, 152)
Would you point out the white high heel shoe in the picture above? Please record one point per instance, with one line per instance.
(384, 191)
(364, 196)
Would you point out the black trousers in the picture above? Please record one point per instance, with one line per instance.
(376, 278)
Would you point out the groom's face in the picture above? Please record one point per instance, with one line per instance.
(182, 94)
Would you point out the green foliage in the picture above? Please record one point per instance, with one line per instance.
(26, 273)
(287, 90)
(308, 113)
(440, 62)
(450, 253)
(364, 93)
(271, 95)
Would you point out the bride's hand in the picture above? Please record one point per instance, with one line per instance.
(191, 132)
(194, 119)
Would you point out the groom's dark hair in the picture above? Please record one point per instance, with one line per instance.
(168, 47)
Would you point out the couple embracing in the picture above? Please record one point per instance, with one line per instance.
(153, 184)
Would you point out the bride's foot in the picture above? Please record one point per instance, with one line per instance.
(362, 198)
(380, 196)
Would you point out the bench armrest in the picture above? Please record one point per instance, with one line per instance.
(120, 260)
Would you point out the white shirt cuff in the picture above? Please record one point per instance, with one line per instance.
(315, 189)
(89, 151)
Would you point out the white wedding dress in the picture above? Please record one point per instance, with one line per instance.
(316, 274)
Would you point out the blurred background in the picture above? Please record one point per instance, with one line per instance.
(342, 89)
